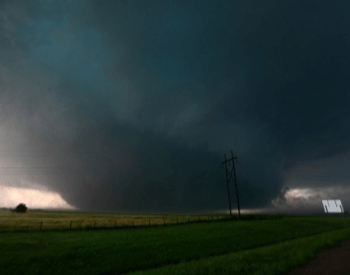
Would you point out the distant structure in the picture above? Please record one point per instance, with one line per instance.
(332, 206)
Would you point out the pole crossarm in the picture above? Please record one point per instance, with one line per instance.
(224, 163)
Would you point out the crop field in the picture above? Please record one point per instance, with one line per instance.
(258, 244)
(84, 220)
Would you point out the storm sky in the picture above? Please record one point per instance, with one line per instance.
(131, 105)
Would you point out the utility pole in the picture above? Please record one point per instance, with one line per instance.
(228, 180)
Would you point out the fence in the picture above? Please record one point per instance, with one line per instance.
(116, 224)
(89, 224)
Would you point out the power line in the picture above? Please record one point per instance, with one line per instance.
(228, 180)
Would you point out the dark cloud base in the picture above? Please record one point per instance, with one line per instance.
(130, 106)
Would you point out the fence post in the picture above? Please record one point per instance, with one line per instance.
(70, 225)
(41, 225)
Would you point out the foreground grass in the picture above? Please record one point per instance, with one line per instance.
(274, 259)
(128, 250)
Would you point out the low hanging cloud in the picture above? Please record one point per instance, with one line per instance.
(32, 198)
(126, 106)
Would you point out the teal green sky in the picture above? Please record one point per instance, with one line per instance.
(131, 105)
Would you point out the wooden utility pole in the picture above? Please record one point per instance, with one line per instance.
(228, 180)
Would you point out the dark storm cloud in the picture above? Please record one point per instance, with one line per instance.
(133, 104)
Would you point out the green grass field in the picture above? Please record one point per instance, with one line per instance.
(264, 246)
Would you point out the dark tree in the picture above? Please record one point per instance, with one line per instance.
(21, 208)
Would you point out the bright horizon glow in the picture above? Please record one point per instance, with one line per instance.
(10, 197)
